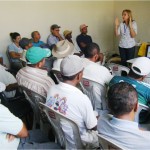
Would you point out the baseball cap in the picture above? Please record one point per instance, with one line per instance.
(2, 87)
(83, 26)
(66, 32)
(36, 54)
(24, 42)
(140, 65)
(54, 26)
(71, 65)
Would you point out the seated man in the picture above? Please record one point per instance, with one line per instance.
(68, 35)
(54, 37)
(97, 73)
(139, 70)
(25, 44)
(83, 39)
(14, 134)
(71, 102)
(33, 76)
(10, 82)
(36, 39)
(120, 126)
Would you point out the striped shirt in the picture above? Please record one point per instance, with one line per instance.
(34, 79)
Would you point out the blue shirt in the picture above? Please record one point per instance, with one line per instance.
(143, 89)
(124, 133)
(52, 40)
(38, 44)
(13, 48)
(85, 39)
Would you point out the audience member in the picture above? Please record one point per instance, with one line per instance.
(94, 71)
(120, 126)
(33, 76)
(15, 51)
(54, 37)
(14, 134)
(97, 73)
(68, 35)
(139, 70)
(36, 39)
(25, 44)
(60, 51)
(10, 82)
(71, 102)
(83, 39)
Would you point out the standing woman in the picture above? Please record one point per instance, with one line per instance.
(15, 51)
(127, 31)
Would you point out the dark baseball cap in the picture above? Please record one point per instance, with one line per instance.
(54, 26)
(24, 42)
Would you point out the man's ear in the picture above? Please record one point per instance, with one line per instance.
(79, 76)
(136, 107)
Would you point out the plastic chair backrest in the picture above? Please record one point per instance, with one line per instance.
(107, 143)
(96, 93)
(60, 124)
(117, 69)
(34, 100)
(57, 74)
(140, 108)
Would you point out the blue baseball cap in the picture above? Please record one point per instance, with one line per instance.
(36, 54)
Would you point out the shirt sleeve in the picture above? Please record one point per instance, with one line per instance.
(8, 122)
(51, 41)
(88, 114)
(134, 26)
(11, 48)
(107, 75)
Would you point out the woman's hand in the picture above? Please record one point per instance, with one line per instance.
(117, 23)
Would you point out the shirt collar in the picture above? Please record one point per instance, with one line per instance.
(124, 123)
(70, 87)
(37, 70)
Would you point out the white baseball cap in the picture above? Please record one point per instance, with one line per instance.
(71, 65)
(140, 65)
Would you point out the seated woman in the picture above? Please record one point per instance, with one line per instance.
(15, 51)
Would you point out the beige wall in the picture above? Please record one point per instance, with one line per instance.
(141, 15)
(25, 17)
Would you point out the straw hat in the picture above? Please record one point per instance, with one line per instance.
(62, 49)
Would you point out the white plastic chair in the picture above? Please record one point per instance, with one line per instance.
(140, 108)
(57, 75)
(34, 100)
(117, 69)
(108, 144)
(60, 123)
(96, 93)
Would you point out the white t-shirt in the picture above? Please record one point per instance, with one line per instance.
(9, 124)
(71, 102)
(96, 72)
(7, 78)
(126, 41)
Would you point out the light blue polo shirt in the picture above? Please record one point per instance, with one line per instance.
(13, 48)
(143, 89)
(124, 133)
